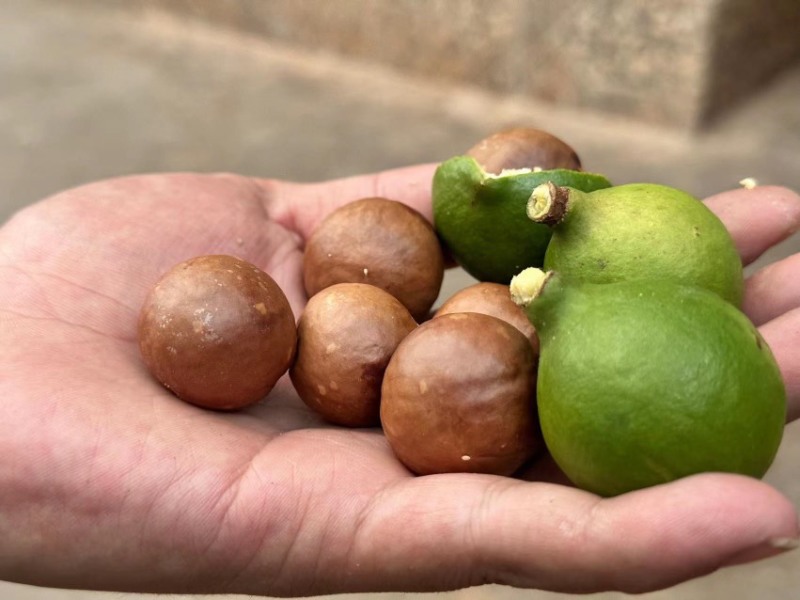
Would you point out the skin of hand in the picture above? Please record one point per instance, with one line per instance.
(109, 482)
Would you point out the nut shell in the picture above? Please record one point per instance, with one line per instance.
(524, 148)
(217, 331)
(492, 299)
(346, 336)
(459, 396)
(380, 242)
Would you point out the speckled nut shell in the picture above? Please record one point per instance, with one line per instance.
(523, 148)
(459, 395)
(346, 336)
(492, 299)
(380, 242)
(217, 331)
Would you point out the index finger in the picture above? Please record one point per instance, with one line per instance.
(757, 218)
(303, 206)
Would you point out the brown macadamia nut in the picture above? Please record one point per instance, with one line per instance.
(492, 299)
(346, 336)
(380, 242)
(458, 395)
(523, 148)
(218, 332)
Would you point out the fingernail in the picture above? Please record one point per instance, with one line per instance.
(772, 547)
(784, 543)
(790, 208)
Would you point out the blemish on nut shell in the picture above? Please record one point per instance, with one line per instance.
(261, 308)
(366, 272)
(172, 349)
(466, 457)
(239, 241)
(334, 386)
(329, 255)
(321, 389)
(423, 386)
(458, 316)
(331, 348)
(203, 322)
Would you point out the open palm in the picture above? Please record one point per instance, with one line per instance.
(107, 481)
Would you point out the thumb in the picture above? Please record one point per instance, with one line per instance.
(470, 530)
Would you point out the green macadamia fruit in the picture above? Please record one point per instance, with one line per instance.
(638, 231)
(644, 382)
(481, 217)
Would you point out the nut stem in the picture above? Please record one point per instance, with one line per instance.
(527, 285)
(548, 203)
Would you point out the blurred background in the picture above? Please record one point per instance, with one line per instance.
(697, 94)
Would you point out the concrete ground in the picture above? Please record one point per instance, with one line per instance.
(88, 94)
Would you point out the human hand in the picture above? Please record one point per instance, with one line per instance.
(110, 482)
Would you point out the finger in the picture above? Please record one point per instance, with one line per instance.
(302, 206)
(757, 218)
(474, 530)
(783, 337)
(773, 291)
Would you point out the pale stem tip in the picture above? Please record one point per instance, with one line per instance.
(541, 201)
(527, 285)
